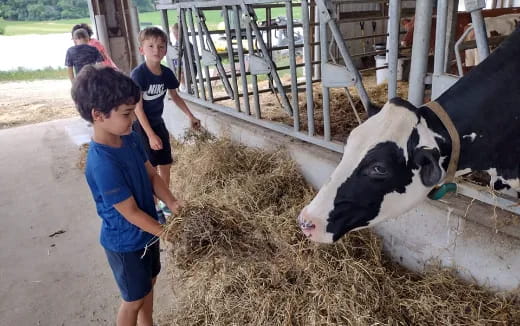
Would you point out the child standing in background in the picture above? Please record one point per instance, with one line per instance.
(155, 80)
(107, 61)
(81, 54)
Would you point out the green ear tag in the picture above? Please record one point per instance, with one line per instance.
(439, 192)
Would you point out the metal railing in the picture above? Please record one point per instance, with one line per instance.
(252, 46)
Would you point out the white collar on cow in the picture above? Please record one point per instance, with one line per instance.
(449, 185)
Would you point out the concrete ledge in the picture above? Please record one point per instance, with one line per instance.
(480, 242)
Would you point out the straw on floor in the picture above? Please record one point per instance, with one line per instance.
(240, 259)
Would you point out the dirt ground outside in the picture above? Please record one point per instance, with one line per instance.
(28, 102)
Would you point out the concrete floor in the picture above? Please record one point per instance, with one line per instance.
(63, 279)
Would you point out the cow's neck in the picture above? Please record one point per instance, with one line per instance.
(485, 108)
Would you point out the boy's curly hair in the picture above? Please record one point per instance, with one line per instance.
(102, 89)
(152, 33)
(83, 26)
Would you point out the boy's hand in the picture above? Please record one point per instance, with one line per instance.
(168, 235)
(176, 206)
(171, 229)
(195, 123)
(155, 142)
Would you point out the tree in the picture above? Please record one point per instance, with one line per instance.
(43, 9)
(54, 9)
(73, 8)
(144, 5)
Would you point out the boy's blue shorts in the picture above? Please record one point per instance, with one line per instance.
(133, 274)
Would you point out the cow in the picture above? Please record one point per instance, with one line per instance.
(463, 20)
(401, 152)
(495, 26)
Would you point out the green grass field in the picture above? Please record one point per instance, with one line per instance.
(213, 18)
(23, 74)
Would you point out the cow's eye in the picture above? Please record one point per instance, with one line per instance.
(378, 171)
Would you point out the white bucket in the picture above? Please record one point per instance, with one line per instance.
(382, 74)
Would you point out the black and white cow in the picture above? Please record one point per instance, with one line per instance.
(393, 160)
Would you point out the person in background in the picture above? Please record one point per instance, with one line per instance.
(107, 61)
(81, 54)
(155, 80)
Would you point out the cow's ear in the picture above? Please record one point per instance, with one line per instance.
(405, 21)
(427, 159)
(372, 109)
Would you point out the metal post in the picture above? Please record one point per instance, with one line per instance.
(274, 73)
(477, 21)
(440, 37)
(188, 54)
(240, 50)
(254, 82)
(203, 48)
(182, 50)
(101, 26)
(231, 58)
(343, 50)
(196, 53)
(451, 30)
(292, 63)
(180, 46)
(269, 30)
(308, 67)
(420, 48)
(134, 22)
(324, 89)
(220, 68)
(392, 44)
(165, 24)
(92, 17)
(317, 39)
(440, 47)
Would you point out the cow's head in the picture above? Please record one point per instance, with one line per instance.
(408, 26)
(389, 165)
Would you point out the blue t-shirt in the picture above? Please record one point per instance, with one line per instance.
(113, 175)
(81, 55)
(154, 88)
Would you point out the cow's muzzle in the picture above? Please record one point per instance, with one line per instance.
(305, 224)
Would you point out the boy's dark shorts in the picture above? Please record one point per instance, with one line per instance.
(162, 156)
(134, 275)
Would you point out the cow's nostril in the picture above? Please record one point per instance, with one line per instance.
(304, 224)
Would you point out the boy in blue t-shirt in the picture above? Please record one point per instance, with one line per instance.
(81, 54)
(155, 80)
(123, 183)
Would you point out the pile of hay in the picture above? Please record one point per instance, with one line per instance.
(240, 259)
